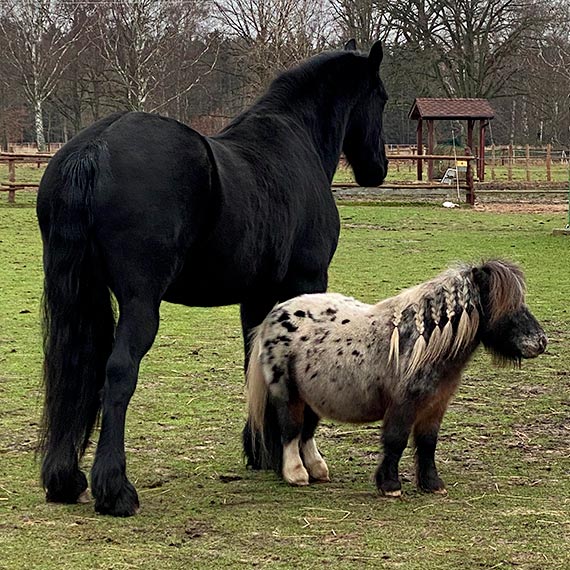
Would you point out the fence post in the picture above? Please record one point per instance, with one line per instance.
(469, 178)
(510, 163)
(548, 162)
(527, 163)
(12, 179)
(493, 161)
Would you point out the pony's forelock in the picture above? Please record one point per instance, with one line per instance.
(506, 289)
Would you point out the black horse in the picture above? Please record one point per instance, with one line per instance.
(144, 208)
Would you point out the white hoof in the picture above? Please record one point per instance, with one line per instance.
(297, 475)
(319, 471)
(85, 497)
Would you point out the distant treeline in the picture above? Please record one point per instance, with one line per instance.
(66, 63)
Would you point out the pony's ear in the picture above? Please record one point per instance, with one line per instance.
(375, 56)
(481, 278)
(350, 45)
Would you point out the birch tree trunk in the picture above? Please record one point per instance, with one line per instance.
(39, 125)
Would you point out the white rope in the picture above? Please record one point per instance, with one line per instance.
(456, 167)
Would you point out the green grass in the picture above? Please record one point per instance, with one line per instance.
(504, 450)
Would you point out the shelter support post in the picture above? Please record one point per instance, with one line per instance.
(420, 148)
(481, 161)
(431, 146)
(469, 178)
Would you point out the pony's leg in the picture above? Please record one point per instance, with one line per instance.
(136, 330)
(312, 459)
(426, 430)
(290, 415)
(294, 471)
(398, 423)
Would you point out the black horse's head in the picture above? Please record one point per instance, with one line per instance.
(364, 140)
(508, 329)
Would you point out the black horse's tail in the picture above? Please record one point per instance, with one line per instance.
(78, 316)
(262, 443)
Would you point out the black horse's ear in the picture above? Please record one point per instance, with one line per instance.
(375, 56)
(350, 45)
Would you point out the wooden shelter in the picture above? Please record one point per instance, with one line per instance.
(470, 110)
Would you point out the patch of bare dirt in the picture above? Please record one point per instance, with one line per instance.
(520, 207)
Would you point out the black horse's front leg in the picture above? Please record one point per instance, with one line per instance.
(398, 423)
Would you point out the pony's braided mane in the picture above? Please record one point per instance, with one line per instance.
(450, 305)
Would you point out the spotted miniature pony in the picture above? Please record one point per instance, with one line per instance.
(400, 361)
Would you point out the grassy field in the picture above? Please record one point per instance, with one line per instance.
(504, 450)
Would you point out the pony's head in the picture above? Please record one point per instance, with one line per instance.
(363, 143)
(507, 327)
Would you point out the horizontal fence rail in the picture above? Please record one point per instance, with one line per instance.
(507, 164)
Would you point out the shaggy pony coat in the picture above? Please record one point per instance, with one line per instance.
(400, 358)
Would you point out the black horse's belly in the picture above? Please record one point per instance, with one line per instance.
(203, 286)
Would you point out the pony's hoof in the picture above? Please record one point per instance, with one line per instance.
(319, 472)
(84, 498)
(441, 492)
(392, 494)
(298, 476)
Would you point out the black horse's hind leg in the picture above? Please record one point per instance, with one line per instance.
(136, 330)
(398, 423)
(312, 459)
(261, 451)
(252, 314)
(64, 482)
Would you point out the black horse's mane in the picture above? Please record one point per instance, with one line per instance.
(299, 84)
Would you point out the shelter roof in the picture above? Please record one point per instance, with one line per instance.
(439, 108)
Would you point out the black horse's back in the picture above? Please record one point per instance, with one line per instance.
(145, 209)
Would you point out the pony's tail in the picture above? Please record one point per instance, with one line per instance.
(78, 317)
(262, 443)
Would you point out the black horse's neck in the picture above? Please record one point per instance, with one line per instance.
(316, 97)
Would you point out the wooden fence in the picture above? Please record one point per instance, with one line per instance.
(12, 159)
(466, 184)
(508, 157)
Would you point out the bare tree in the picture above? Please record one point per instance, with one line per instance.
(40, 36)
(554, 45)
(270, 35)
(137, 40)
(473, 47)
(364, 20)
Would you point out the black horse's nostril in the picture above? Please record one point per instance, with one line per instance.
(543, 341)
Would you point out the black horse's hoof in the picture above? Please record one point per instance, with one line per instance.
(125, 503)
(67, 487)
